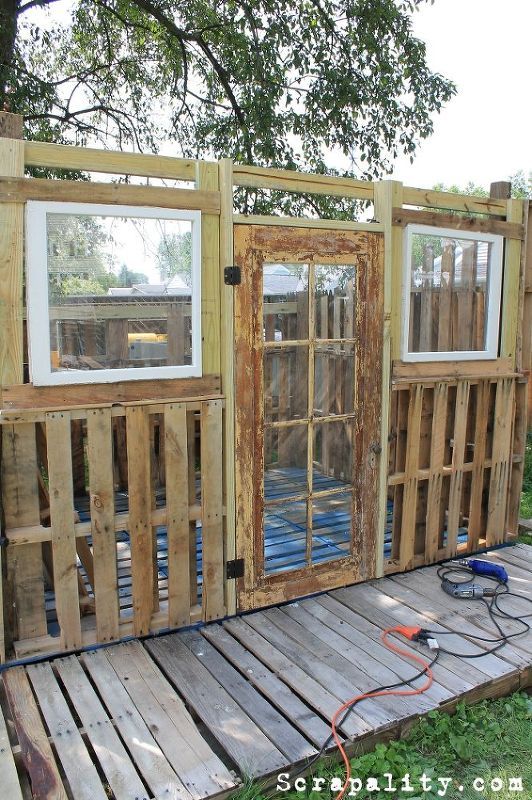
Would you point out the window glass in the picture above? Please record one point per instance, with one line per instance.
(112, 292)
(452, 293)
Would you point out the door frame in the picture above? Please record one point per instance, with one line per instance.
(252, 247)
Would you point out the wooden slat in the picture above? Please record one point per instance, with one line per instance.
(451, 370)
(453, 202)
(20, 498)
(237, 734)
(140, 507)
(202, 773)
(267, 682)
(10, 783)
(500, 461)
(177, 525)
(406, 216)
(111, 753)
(310, 222)
(286, 738)
(211, 508)
(62, 523)
(207, 182)
(459, 443)
(408, 522)
(147, 754)
(92, 159)
(79, 770)
(510, 300)
(300, 681)
(37, 755)
(27, 396)
(19, 190)
(479, 455)
(291, 181)
(437, 453)
(100, 463)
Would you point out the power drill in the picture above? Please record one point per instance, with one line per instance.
(467, 590)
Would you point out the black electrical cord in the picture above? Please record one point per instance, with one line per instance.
(494, 611)
(308, 764)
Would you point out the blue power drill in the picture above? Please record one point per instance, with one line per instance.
(487, 568)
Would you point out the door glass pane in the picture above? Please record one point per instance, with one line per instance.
(285, 462)
(333, 455)
(285, 537)
(334, 379)
(331, 527)
(285, 383)
(285, 298)
(335, 302)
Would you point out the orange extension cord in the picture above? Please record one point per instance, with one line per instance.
(403, 631)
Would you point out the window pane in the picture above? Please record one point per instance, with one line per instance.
(331, 527)
(119, 291)
(335, 302)
(285, 297)
(285, 462)
(285, 537)
(333, 454)
(334, 379)
(449, 285)
(285, 383)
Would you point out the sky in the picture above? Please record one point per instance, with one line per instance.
(484, 133)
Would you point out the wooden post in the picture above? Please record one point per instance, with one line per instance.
(388, 195)
(228, 369)
(28, 564)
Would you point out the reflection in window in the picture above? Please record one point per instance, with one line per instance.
(112, 289)
(453, 293)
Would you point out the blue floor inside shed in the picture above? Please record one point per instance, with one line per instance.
(284, 530)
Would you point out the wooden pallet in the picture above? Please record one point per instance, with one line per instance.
(195, 713)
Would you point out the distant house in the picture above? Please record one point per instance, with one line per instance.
(175, 286)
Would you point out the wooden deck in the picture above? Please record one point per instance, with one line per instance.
(192, 714)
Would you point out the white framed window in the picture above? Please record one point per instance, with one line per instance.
(451, 294)
(113, 292)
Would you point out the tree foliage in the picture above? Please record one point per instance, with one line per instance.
(295, 85)
(174, 256)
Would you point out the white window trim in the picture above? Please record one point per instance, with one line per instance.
(37, 295)
(493, 304)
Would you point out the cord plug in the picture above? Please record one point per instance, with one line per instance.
(409, 632)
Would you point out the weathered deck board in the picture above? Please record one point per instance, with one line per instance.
(123, 721)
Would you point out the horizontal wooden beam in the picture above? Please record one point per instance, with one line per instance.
(41, 645)
(286, 180)
(305, 222)
(406, 216)
(413, 196)
(30, 534)
(450, 370)
(30, 397)
(19, 190)
(91, 159)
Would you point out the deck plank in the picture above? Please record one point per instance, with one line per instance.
(277, 692)
(81, 773)
(37, 755)
(8, 770)
(276, 727)
(147, 754)
(114, 759)
(202, 773)
(366, 636)
(249, 748)
(321, 699)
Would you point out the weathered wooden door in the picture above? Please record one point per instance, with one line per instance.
(308, 328)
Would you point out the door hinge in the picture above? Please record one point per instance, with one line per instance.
(232, 276)
(235, 569)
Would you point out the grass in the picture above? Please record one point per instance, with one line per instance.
(526, 497)
(490, 740)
